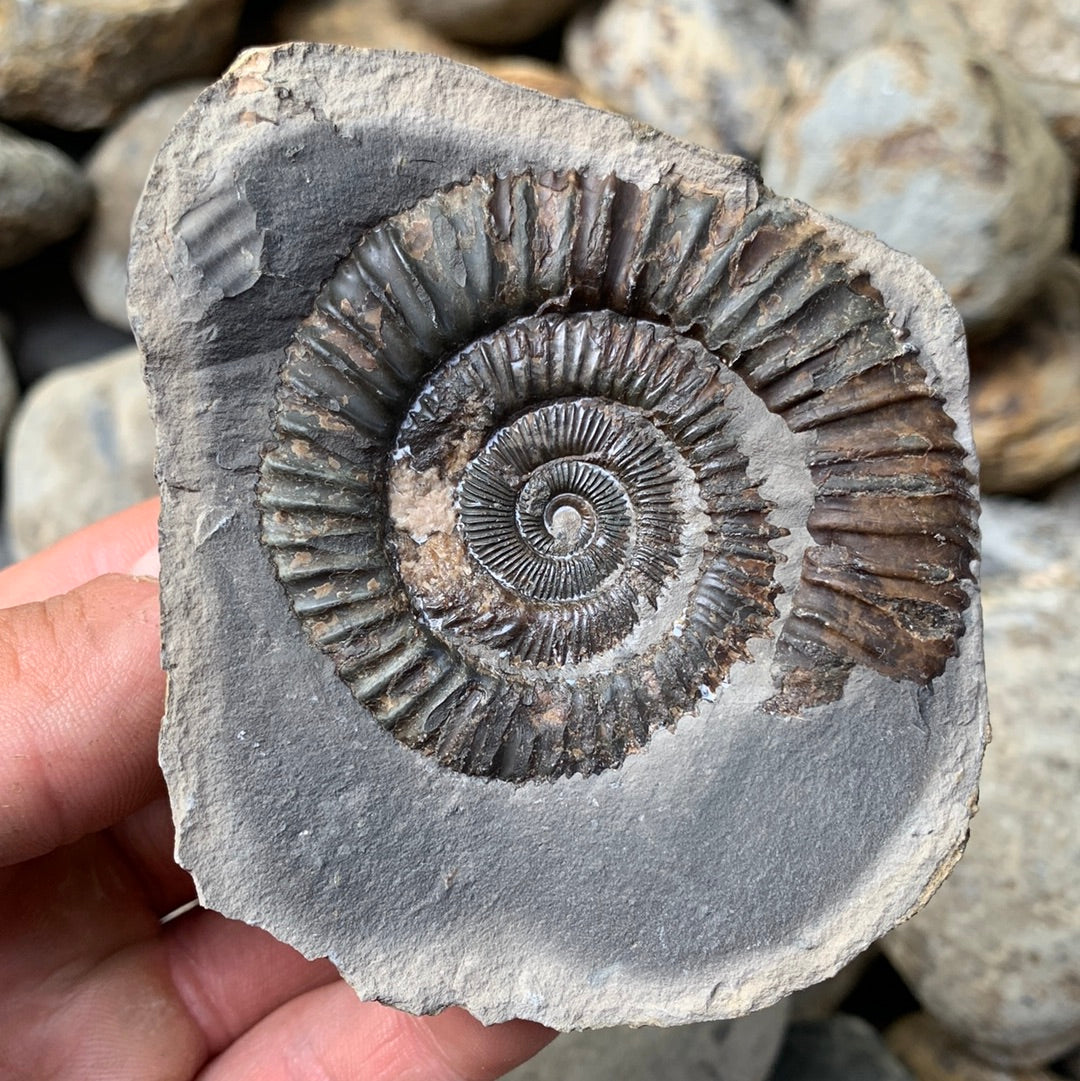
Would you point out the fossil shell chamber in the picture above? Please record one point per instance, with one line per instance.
(568, 548)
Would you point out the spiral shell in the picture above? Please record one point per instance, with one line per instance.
(505, 497)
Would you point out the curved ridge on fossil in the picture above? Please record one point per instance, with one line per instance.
(503, 498)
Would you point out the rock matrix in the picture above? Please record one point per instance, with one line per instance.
(537, 472)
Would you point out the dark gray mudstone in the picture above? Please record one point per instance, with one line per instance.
(736, 858)
(843, 1048)
(743, 1049)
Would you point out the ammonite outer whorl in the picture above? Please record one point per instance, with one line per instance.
(568, 548)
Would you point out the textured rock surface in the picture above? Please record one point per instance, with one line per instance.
(1025, 390)
(807, 831)
(740, 1050)
(488, 22)
(842, 1048)
(80, 65)
(931, 1054)
(81, 446)
(117, 168)
(714, 73)
(938, 152)
(995, 956)
(43, 196)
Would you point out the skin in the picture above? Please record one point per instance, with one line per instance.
(93, 984)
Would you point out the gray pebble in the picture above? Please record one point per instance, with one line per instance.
(740, 1050)
(79, 65)
(995, 956)
(43, 196)
(938, 152)
(81, 446)
(842, 1048)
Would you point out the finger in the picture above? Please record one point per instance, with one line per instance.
(82, 701)
(330, 1035)
(230, 975)
(113, 545)
(145, 840)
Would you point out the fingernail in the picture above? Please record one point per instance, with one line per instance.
(147, 565)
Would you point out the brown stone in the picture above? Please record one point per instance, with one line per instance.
(80, 65)
(1025, 390)
(931, 1054)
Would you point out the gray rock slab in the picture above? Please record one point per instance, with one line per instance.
(842, 1048)
(749, 843)
(933, 146)
(80, 447)
(995, 957)
(80, 66)
(117, 168)
(43, 196)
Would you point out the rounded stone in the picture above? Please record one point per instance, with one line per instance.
(117, 167)
(43, 196)
(838, 1047)
(80, 447)
(451, 307)
(936, 150)
(715, 73)
(1025, 390)
(931, 1054)
(9, 386)
(365, 24)
(80, 66)
(488, 22)
(995, 956)
(740, 1050)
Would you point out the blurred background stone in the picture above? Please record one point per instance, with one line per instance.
(931, 1054)
(841, 1048)
(366, 24)
(79, 65)
(9, 387)
(995, 955)
(714, 72)
(1025, 390)
(43, 196)
(740, 1050)
(117, 168)
(941, 155)
(81, 446)
(488, 22)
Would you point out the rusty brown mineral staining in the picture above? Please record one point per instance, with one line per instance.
(504, 497)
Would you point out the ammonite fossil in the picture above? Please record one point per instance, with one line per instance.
(568, 548)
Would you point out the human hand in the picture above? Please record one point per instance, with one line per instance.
(92, 984)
